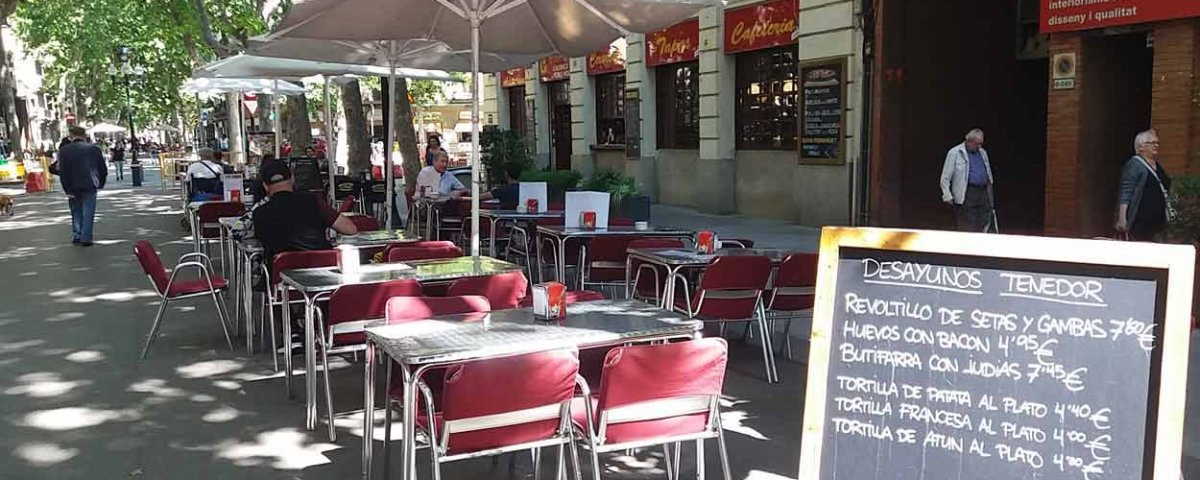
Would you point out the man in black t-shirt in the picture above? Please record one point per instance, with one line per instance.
(508, 194)
(292, 221)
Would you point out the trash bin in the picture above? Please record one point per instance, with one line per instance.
(136, 170)
(35, 182)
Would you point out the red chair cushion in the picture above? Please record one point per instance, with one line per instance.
(151, 264)
(184, 287)
(503, 291)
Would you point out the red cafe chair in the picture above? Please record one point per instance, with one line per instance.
(278, 295)
(348, 204)
(504, 291)
(365, 223)
(658, 394)
(351, 308)
(209, 229)
(792, 292)
(731, 290)
(431, 252)
(602, 261)
(169, 287)
(502, 405)
(651, 285)
(737, 243)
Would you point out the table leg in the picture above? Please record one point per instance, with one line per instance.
(562, 261)
(247, 277)
(310, 363)
(235, 282)
(628, 279)
(669, 288)
(286, 314)
(408, 470)
(492, 240)
(369, 410)
(195, 221)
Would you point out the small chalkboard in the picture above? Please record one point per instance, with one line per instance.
(989, 357)
(307, 174)
(822, 111)
(633, 125)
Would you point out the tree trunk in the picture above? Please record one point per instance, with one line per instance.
(265, 124)
(8, 109)
(297, 129)
(358, 143)
(237, 152)
(406, 135)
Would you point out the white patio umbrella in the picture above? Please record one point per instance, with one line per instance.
(105, 128)
(392, 56)
(276, 68)
(509, 27)
(214, 86)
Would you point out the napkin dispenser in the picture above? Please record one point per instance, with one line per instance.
(706, 242)
(550, 301)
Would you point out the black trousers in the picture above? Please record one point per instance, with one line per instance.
(975, 213)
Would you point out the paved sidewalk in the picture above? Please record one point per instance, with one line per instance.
(765, 233)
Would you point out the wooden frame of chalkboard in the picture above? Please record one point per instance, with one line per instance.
(1165, 270)
(837, 65)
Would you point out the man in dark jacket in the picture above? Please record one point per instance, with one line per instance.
(82, 170)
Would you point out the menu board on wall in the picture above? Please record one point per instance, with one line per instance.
(989, 357)
(633, 124)
(1070, 15)
(822, 111)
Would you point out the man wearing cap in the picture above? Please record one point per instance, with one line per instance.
(82, 170)
(292, 221)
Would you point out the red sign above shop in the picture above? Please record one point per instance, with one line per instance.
(1071, 15)
(677, 43)
(760, 26)
(609, 60)
(513, 77)
(554, 68)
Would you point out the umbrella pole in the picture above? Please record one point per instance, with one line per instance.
(329, 151)
(389, 181)
(276, 122)
(474, 158)
(242, 126)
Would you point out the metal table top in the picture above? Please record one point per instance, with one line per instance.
(376, 238)
(519, 215)
(311, 280)
(676, 256)
(457, 338)
(652, 231)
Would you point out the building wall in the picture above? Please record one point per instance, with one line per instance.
(716, 177)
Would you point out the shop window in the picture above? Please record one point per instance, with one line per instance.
(610, 109)
(678, 105)
(766, 99)
(516, 110)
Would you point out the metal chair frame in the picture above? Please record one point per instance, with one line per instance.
(206, 268)
(773, 315)
(759, 319)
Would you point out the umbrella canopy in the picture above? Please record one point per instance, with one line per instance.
(532, 27)
(243, 85)
(161, 128)
(255, 66)
(105, 128)
(406, 55)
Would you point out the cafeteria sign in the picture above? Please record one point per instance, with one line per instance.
(677, 43)
(1071, 15)
(554, 68)
(609, 60)
(760, 26)
(512, 77)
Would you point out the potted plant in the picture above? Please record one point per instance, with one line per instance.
(622, 192)
(500, 148)
(1185, 226)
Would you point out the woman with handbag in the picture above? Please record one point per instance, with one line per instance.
(1144, 206)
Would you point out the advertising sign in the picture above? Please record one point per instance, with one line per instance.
(677, 43)
(609, 60)
(554, 68)
(764, 25)
(1072, 15)
(512, 77)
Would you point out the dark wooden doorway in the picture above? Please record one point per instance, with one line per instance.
(560, 124)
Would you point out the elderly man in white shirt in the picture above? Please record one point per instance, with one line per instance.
(433, 179)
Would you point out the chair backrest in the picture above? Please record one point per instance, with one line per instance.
(737, 243)
(308, 259)
(419, 244)
(408, 309)
(375, 191)
(620, 222)
(344, 187)
(661, 390)
(401, 254)
(208, 214)
(609, 248)
(504, 291)
(365, 223)
(151, 264)
(348, 203)
(645, 284)
(731, 286)
(506, 401)
(366, 301)
(792, 288)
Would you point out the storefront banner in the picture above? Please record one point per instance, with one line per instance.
(554, 68)
(609, 60)
(513, 77)
(1071, 15)
(677, 43)
(760, 26)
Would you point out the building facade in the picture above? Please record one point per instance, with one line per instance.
(752, 109)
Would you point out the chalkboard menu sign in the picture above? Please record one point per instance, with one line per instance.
(822, 107)
(955, 355)
(633, 125)
(306, 172)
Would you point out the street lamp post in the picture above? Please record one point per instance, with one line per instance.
(127, 71)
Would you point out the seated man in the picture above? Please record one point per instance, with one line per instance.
(292, 221)
(435, 179)
(508, 194)
(205, 176)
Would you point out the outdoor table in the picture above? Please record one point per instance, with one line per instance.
(376, 238)
(676, 259)
(317, 284)
(561, 234)
(428, 204)
(514, 216)
(444, 340)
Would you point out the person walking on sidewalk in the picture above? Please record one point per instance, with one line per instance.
(118, 158)
(82, 171)
(1144, 206)
(967, 183)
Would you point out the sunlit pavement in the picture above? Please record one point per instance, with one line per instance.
(76, 402)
